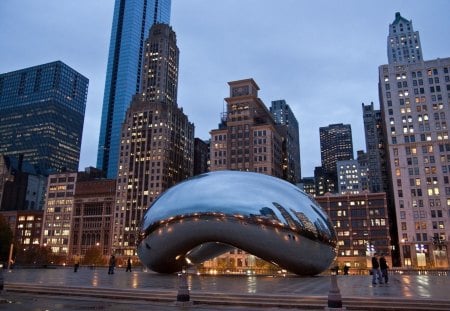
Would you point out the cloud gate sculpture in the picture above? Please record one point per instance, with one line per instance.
(209, 214)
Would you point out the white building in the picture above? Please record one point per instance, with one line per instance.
(403, 43)
(414, 100)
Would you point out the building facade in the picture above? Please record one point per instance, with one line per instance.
(157, 140)
(21, 188)
(26, 227)
(362, 226)
(308, 185)
(285, 118)
(375, 148)
(336, 144)
(92, 219)
(42, 114)
(325, 182)
(248, 138)
(352, 177)
(415, 102)
(130, 27)
(415, 106)
(57, 224)
(201, 156)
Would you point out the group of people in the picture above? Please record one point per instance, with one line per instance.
(379, 269)
(111, 264)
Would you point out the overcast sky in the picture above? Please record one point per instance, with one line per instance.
(321, 56)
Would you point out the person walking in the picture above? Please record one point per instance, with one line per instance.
(384, 268)
(128, 265)
(112, 264)
(346, 268)
(376, 272)
(76, 261)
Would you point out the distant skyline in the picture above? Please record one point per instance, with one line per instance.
(322, 57)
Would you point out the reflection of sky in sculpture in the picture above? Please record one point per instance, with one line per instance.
(246, 194)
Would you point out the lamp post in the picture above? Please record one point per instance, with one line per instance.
(183, 297)
(1, 277)
(334, 295)
(11, 247)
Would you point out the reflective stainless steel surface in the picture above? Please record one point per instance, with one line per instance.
(202, 217)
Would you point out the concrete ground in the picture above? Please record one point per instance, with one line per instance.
(140, 290)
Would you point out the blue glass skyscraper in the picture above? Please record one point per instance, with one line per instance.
(131, 24)
(42, 115)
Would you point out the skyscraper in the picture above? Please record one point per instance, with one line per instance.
(403, 43)
(42, 115)
(131, 24)
(414, 100)
(156, 143)
(335, 145)
(376, 148)
(284, 117)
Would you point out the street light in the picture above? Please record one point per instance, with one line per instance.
(420, 248)
(420, 252)
(370, 249)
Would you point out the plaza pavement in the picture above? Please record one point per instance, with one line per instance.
(93, 289)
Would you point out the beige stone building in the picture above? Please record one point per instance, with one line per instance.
(92, 216)
(247, 138)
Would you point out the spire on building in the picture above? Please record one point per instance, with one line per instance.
(403, 43)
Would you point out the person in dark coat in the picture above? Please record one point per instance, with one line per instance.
(112, 264)
(346, 268)
(128, 265)
(376, 272)
(76, 261)
(384, 268)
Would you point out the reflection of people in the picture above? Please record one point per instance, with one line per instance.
(76, 261)
(376, 272)
(128, 265)
(346, 268)
(384, 268)
(112, 264)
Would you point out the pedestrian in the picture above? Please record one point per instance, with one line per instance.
(384, 268)
(128, 265)
(346, 268)
(336, 269)
(112, 264)
(76, 261)
(376, 272)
